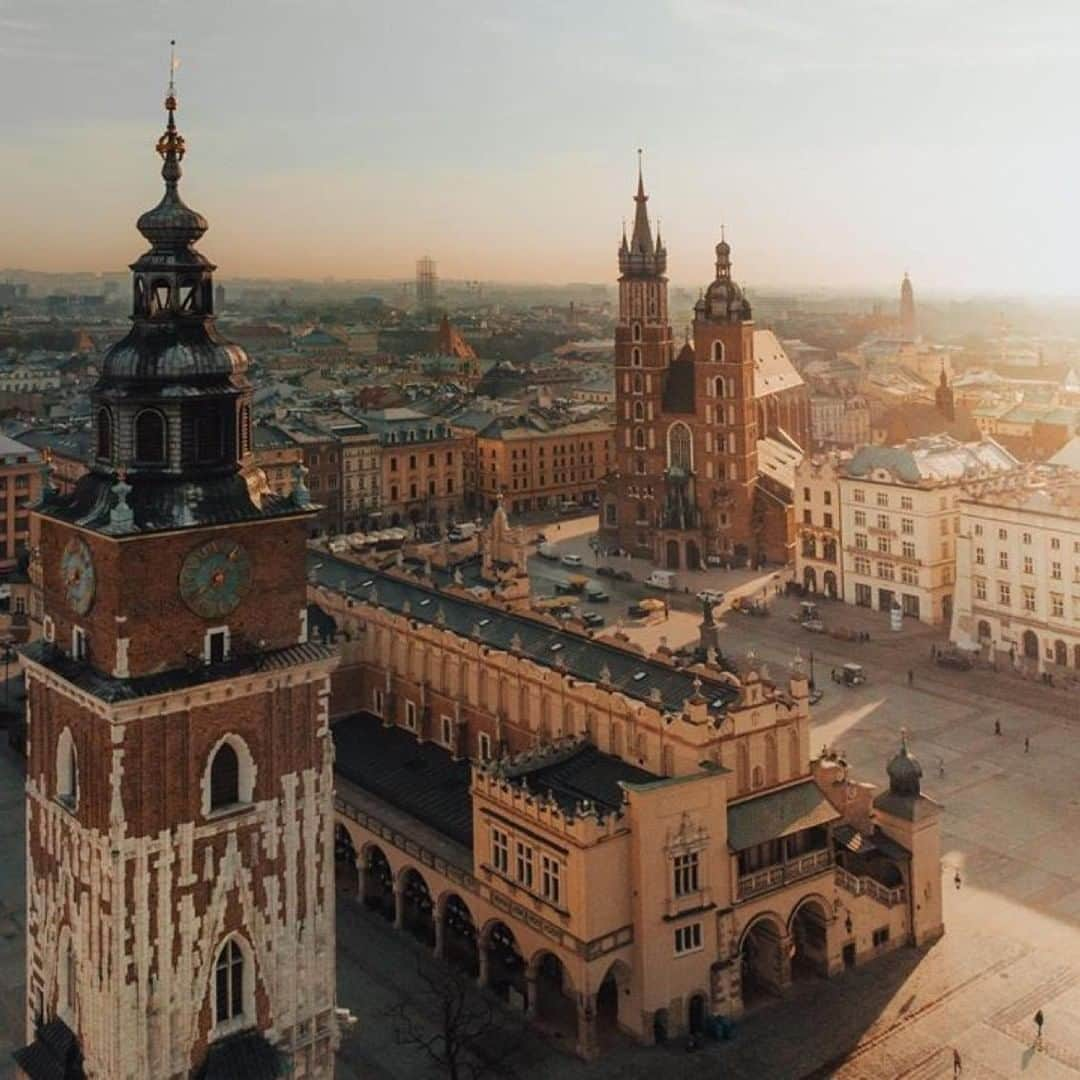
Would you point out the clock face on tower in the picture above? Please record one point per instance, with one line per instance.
(215, 577)
(77, 574)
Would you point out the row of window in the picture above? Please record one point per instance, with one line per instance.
(1028, 598)
(906, 501)
(522, 868)
(1026, 538)
(909, 575)
(431, 461)
(414, 491)
(1027, 564)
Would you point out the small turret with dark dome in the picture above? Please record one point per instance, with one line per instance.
(724, 300)
(905, 772)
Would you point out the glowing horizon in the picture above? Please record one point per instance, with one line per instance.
(841, 146)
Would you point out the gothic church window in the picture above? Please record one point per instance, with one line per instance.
(637, 384)
(635, 357)
(639, 411)
(718, 352)
(228, 983)
(639, 438)
(637, 331)
(680, 448)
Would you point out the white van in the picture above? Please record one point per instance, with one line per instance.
(662, 579)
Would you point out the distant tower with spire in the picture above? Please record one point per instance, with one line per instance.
(909, 326)
(643, 350)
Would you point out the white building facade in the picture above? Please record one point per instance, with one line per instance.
(1018, 570)
(899, 519)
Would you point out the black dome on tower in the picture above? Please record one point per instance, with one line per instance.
(172, 406)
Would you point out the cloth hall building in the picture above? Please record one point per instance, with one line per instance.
(707, 435)
(607, 841)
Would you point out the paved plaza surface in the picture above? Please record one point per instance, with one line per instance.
(1011, 829)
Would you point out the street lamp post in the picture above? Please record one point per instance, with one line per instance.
(812, 687)
(8, 656)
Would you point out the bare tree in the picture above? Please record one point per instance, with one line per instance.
(465, 1033)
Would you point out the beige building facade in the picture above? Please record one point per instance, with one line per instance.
(819, 567)
(1018, 570)
(608, 843)
(899, 520)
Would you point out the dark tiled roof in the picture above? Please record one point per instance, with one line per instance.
(579, 656)
(109, 688)
(777, 813)
(589, 774)
(419, 778)
(53, 1055)
(247, 1055)
(679, 387)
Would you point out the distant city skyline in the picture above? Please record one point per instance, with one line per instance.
(841, 145)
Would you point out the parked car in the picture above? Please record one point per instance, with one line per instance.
(954, 658)
(596, 594)
(623, 575)
(605, 571)
(849, 675)
(592, 618)
(815, 626)
(571, 560)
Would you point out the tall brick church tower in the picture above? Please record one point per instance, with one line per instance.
(179, 796)
(643, 351)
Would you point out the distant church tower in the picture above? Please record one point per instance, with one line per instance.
(944, 398)
(909, 326)
(179, 791)
(643, 351)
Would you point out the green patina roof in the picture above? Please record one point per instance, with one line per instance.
(777, 814)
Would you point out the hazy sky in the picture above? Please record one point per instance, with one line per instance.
(841, 142)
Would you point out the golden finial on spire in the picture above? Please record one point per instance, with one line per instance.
(171, 143)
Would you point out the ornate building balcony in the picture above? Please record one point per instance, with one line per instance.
(867, 886)
(775, 877)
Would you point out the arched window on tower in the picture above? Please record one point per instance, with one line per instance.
(639, 410)
(637, 383)
(719, 387)
(224, 778)
(67, 770)
(635, 357)
(637, 331)
(189, 296)
(680, 449)
(718, 352)
(150, 429)
(208, 433)
(140, 296)
(104, 435)
(159, 296)
(229, 983)
(639, 438)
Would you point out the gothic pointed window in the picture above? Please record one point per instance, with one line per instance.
(229, 983)
(150, 438)
(680, 449)
(104, 435)
(718, 352)
(637, 331)
(637, 384)
(224, 778)
(140, 296)
(639, 411)
(719, 387)
(635, 357)
(639, 438)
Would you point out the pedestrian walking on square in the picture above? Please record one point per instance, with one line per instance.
(957, 1066)
(956, 878)
(910, 677)
(997, 727)
(1038, 1028)
(941, 767)
(1027, 745)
